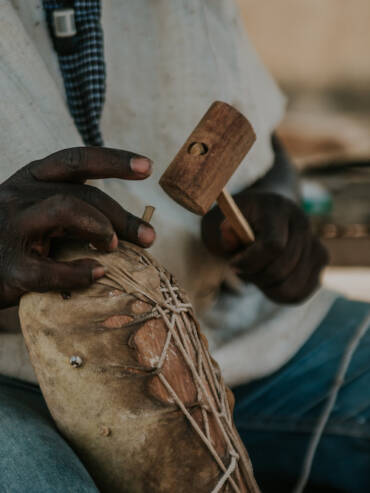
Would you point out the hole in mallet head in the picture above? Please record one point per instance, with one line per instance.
(198, 148)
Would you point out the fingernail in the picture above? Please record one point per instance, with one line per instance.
(98, 272)
(141, 165)
(146, 234)
(113, 245)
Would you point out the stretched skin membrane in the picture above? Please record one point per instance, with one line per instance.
(128, 378)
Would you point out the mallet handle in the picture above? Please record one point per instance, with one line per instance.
(238, 222)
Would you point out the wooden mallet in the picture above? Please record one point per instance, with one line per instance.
(198, 174)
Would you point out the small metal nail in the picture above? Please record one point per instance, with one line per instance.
(105, 431)
(75, 361)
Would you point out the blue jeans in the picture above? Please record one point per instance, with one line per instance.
(275, 417)
(34, 458)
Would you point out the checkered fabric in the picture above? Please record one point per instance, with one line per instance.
(83, 70)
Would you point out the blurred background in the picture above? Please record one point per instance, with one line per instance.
(317, 50)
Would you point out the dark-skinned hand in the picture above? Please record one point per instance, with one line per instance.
(48, 199)
(286, 259)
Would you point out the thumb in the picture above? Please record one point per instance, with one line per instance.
(228, 238)
(218, 235)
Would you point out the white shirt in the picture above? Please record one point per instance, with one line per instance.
(166, 63)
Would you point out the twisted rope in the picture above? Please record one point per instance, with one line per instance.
(183, 331)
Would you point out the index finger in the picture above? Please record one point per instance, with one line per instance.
(78, 164)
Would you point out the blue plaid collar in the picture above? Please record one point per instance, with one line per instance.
(81, 61)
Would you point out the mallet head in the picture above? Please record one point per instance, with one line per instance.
(209, 157)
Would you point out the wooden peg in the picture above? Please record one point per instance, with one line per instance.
(148, 213)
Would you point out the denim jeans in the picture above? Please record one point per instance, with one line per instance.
(34, 458)
(275, 416)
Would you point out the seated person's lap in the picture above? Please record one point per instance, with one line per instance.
(34, 458)
(275, 416)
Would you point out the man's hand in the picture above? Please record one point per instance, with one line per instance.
(48, 199)
(286, 259)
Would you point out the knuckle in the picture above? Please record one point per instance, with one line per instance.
(32, 166)
(303, 291)
(275, 245)
(277, 272)
(116, 158)
(130, 229)
(84, 279)
(97, 200)
(25, 278)
(31, 171)
(290, 294)
(59, 204)
(288, 291)
(42, 278)
(36, 277)
(299, 296)
(9, 194)
(99, 229)
(74, 158)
